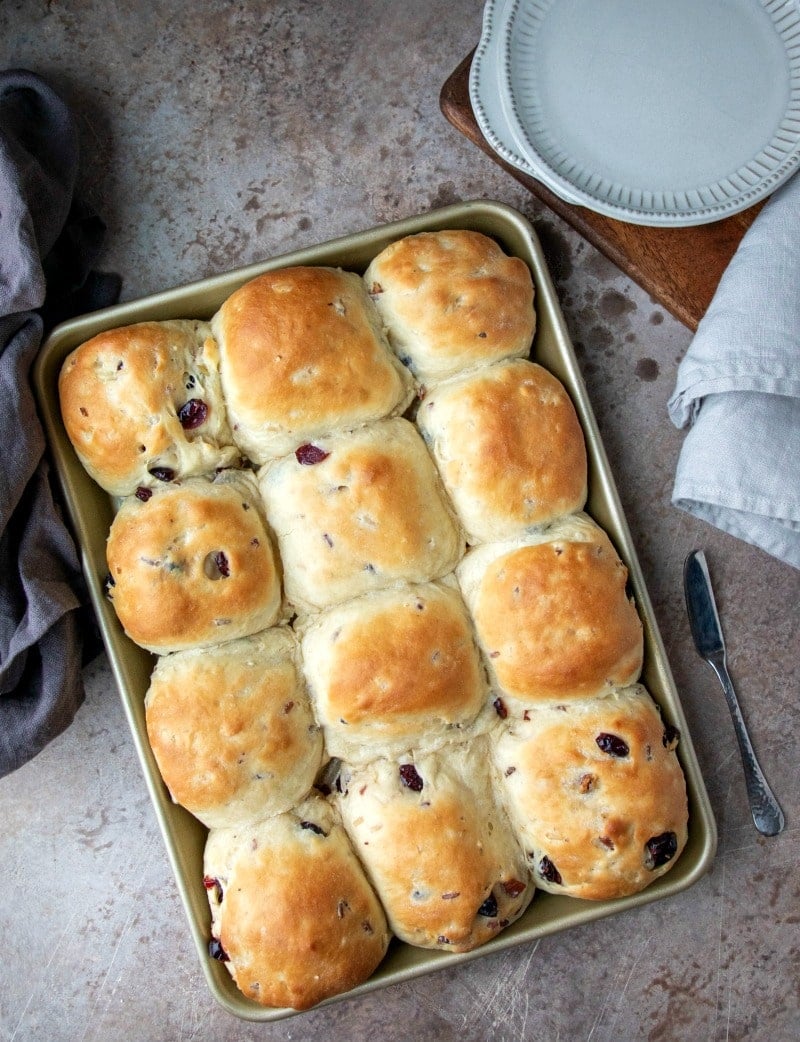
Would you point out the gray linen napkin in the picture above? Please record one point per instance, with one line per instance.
(738, 390)
(47, 242)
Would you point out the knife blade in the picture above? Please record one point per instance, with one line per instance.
(704, 619)
(706, 628)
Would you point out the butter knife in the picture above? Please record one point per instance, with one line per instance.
(707, 634)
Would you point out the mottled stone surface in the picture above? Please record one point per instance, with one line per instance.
(215, 134)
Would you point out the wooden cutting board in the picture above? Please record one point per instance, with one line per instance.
(679, 267)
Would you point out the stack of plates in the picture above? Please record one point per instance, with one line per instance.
(661, 113)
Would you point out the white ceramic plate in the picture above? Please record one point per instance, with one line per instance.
(491, 101)
(673, 113)
(490, 105)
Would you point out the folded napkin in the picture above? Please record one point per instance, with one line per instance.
(738, 390)
(47, 243)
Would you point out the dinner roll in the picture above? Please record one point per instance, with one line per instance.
(302, 354)
(232, 729)
(509, 447)
(294, 918)
(437, 846)
(552, 614)
(142, 404)
(596, 793)
(394, 670)
(451, 300)
(358, 511)
(192, 564)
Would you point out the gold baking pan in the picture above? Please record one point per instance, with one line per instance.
(91, 511)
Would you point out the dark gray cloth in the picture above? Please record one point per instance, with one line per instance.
(47, 243)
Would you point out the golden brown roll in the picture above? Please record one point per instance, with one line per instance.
(509, 446)
(294, 918)
(552, 614)
(193, 564)
(359, 511)
(437, 846)
(302, 354)
(596, 793)
(451, 300)
(142, 404)
(232, 729)
(394, 670)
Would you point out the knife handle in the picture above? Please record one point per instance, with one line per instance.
(766, 810)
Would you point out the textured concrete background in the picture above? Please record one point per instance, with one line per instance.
(215, 134)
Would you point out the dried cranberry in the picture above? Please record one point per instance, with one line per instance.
(193, 414)
(162, 473)
(143, 493)
(660, 849)
(513, 887)
(500, 708)
(671, 736)
(216, 951)
(410, 778)
(216, 565)
(612, 744)
(489, 907)
(308, 455)
(312, 826)
(548, 871)
(212, 883)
